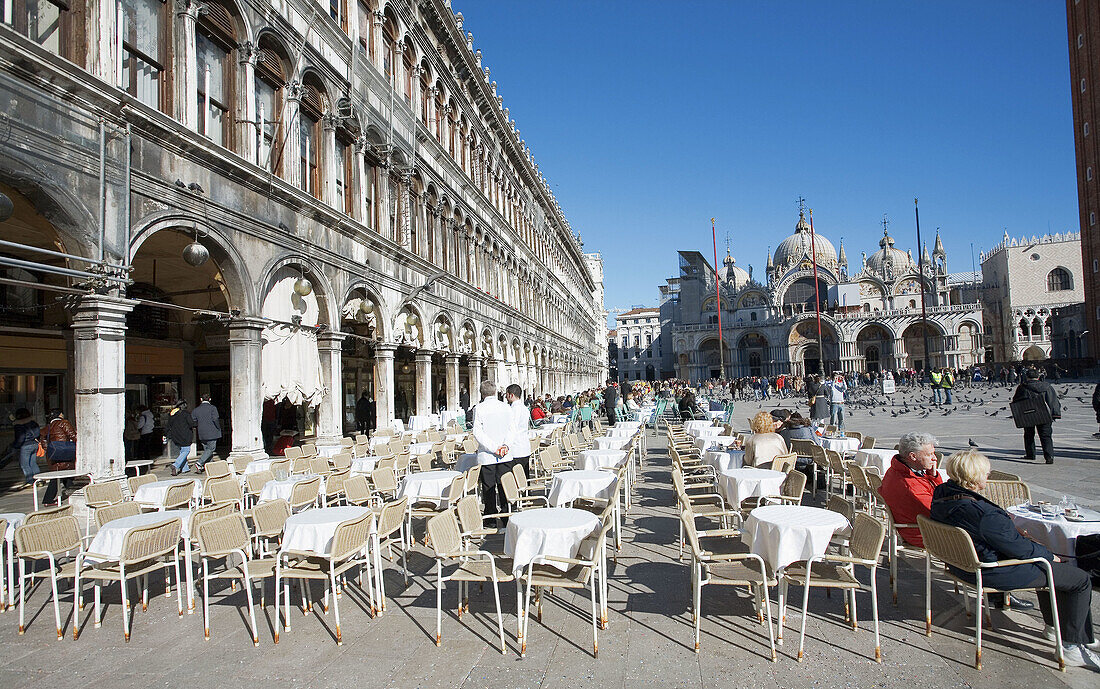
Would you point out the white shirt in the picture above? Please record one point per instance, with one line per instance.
(520, 445)
(493, 426)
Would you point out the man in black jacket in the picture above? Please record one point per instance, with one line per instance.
(1033, 387)
(610, 402)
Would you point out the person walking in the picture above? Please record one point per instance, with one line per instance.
(837, 391)
(611, 402)
(364, 413)
(180, 431)
(209, 428)
(1034, 388)
(1096, 406)
(26, 444)
(493, 429)
(947, 381)
(60, 438)
(936, 380)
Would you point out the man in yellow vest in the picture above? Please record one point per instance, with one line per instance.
(947, 381)
(936, 379)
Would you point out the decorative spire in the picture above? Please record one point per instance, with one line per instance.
(937, 250)
(924, 255)
(770, 265)
(728, 261)
(887, 240)
(842, 259)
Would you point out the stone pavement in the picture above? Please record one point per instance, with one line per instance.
(648, 643)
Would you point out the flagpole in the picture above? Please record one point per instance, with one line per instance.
(718, 295)
(923, 312)
(817, 294)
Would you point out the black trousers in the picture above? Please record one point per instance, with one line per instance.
(1046, 439)
(1073, 595)
(492, 496)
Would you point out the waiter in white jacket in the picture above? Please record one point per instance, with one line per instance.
(493, 429)
(521, 417)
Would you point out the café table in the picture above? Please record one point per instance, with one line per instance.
(363, 465)
(606, 443)
(877, 459)
(312, 531)
(842, 445)
(153, 494)
(567, 486)
(592, 460)
(14, 519)
(423, 422)
(715, 441)
(108, 541)
(749, 482)
(1058, 533)
(722, 460)
(281, 489)
(428, 486)
(554, 531)
(47, 476)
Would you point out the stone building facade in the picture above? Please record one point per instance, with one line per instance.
(272, 201)
(640, 346)
(870, 316)
(1027, 285)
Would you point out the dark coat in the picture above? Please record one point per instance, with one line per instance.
(207, 422)
(179, 428)
(1096, 402)
(1039, 388)
(995, 536)
(26, 434)
(610, 397)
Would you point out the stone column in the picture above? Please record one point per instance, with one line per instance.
(292, 149)
(452, 381)
(245, 398)
(247, 130)
(328, 160)
(491, 370)
(185, 74)
(360, 185)
(532, 380)
(383, 394)
(379, 45)
(103, 49)
(99, 372)
(330, 413)
(423, 382)
(473, 384)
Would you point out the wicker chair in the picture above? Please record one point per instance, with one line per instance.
(838, 471)
(584, 572)
(790, 493)
(100, 495)
(136, 482)
(425, 509)
(838, 572)
(318, 465)
(357, 491)
(391, 532)
(854, 434)
(219, 540)
(309, 449)
(113, 512)
(471, 523)
(868, 443)
(840, 505)
(293, 452)
(255, 482)
(424, 461)
(341, 461)
(56, 542)
(224, 491)
(862, 487)
(304, 494)
(241, 462)
(301, 465)
(268, 520)
(334, 486)
(145, 549)
(954, 547)
(479, 566)
(784, 463)
(278, 465)
(995, 475)
(384, 481)
(179, 495)
(348, 551)
(216, 468)
(1006, 493)
(896, 545)
(733, 569)
(472, 475)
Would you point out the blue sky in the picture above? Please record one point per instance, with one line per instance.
(650, 118)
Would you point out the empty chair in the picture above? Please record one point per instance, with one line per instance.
(225, 542)
(783, 463)
(224, 491)
(472, 565)
(304, 494)
(101, 495)
(268, 521)
(391, 533)
(868, 443)
(384, 482)
(424, 461)
(112, 512)
(240, 462)
(318, 465)
(292, 453)
(357, 491)
(216, 468)
(255, 482)
(309, 450)
(301, 465)
(145, 549)
(55, 542)
(179, 495)
(790, 493)
(341, 461)
(49, 513)
(279, 465)
(838, 572)
(136, 482)
(334, 486)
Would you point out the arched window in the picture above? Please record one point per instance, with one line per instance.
(345, 163)
(144, 50)
(1036, 329)
(425, 95)
(407, 80)
(1059, 280)
(338, 10)
(366, 27)
(270, 79)
(389, 50)
(215, 45)
(311, 107)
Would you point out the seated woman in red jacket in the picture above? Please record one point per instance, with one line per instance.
(285, 440)
(538, 415)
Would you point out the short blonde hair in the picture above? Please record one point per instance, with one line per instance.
(763, 422)
(968, 468)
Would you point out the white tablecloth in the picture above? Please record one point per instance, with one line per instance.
(363, 465)
(108, 540)
(466, 461)
(546, 429)
(556, 531)
(694, 424)
(427, 486)
(782, 534)
(596, 459)
(311, 531)
(632, 425)
(1059, 535)
(445, 416)
(749, 482)
(423, 422)
(620, 432)
(567, 486)
(879, 459)
(716, 414)
(714, 441)
(419, 449)
(841, 445)
(559, 418)
(153, 494)
(14, 519)
(610, 443)
(330, 450)
(723, 460)
(258, 465)
(275, 490)
(705, 432)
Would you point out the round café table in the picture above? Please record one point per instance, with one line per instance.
(615, 443)
(110, 537)
(363, 465)
(428, 486)
(47, 476)
(567, 486)
(153, 494)
(591, 460)
(714, 441)
(749, 482)
(617, 432)
(842, 444)
(556, 531)
(312, 531)
(723, 460)
(282, 489)
(1057, 533)
(876, 459)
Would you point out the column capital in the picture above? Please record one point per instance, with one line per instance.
(476, 359)
(247, 53)
(190, 9)
(384, 350)
(424, 355)
(247, 323)
(100, 316)
(329, 122)
(453, 358)
(330, 339)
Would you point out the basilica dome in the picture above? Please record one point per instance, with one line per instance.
(898, 261)
(730, 273)
(799, 244)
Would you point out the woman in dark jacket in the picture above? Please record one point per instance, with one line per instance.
(26, 444)
(817, 399)
(958, 503)
(180, 429)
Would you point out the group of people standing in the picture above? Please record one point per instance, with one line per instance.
(500, 428)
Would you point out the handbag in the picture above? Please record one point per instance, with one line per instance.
(1030, 411)
(41, 451)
